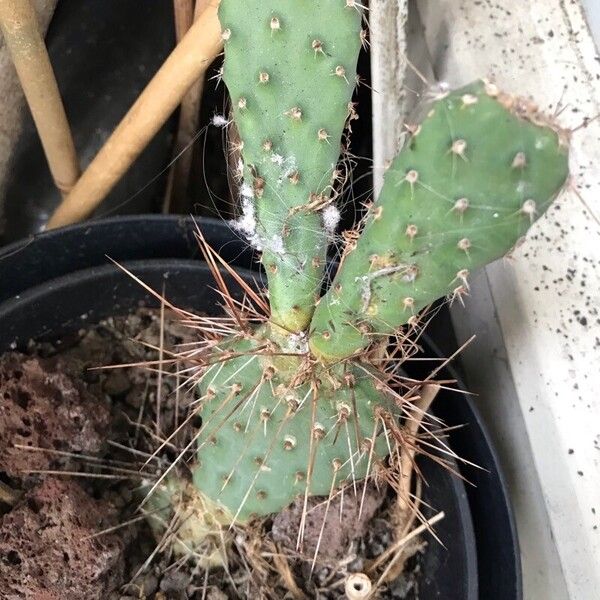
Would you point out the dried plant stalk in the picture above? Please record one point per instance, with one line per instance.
(188, 61)
(183, 11)
(24, 41)
(189, 115)
(407, 465)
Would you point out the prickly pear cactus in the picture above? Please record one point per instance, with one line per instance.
(474, 176)
(302, 404)
(273, 430)
(290, 68)
(281, 419)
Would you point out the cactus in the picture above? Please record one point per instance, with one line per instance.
(177, 505)
(281, 60)
(474, 176)
(301, 403)
(472, 179)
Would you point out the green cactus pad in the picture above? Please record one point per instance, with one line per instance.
(472, 179)
(290, 68)
(259, 432)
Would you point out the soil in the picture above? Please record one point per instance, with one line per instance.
(69, 529)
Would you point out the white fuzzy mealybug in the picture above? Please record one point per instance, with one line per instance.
(331, 219)
(219, 121)
(276, 245)
(246, 191)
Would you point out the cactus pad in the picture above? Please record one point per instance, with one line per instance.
(265, 440)
(290, 68)
(470, 182)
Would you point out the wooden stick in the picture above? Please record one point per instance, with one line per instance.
(183, 11)
(188, 61)
(25, 43)
(189, 115)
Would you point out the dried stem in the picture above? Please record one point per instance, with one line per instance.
(25, 43)
(189, 115)
(397, 548)
(407, 461)
(183, 12)
(188, 61)
(406, 510)
(287, 577)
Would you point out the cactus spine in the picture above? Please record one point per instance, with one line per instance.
(290, 68)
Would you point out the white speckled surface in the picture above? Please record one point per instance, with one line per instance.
(387, 20)
(592, 12)
(536, 362)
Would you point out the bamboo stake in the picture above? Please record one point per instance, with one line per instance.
(24, 41)
(189, 115)
(188, 61)
(183, 10)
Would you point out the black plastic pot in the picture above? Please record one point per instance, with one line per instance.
(62, 280)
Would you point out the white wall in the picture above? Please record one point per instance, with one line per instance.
(592, 10)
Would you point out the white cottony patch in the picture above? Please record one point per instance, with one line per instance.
(239, 169)
(276, 245)
(246, 223)
(286, 164)
(219, 121)
(246, 191)
(331, 219)
(365, 282)
(298, 342)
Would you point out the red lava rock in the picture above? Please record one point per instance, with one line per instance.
(338, 531)
(43, 551)
(42, 407)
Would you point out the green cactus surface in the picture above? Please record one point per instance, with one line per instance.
(266, 439)
(290, 68)
(469, 183)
